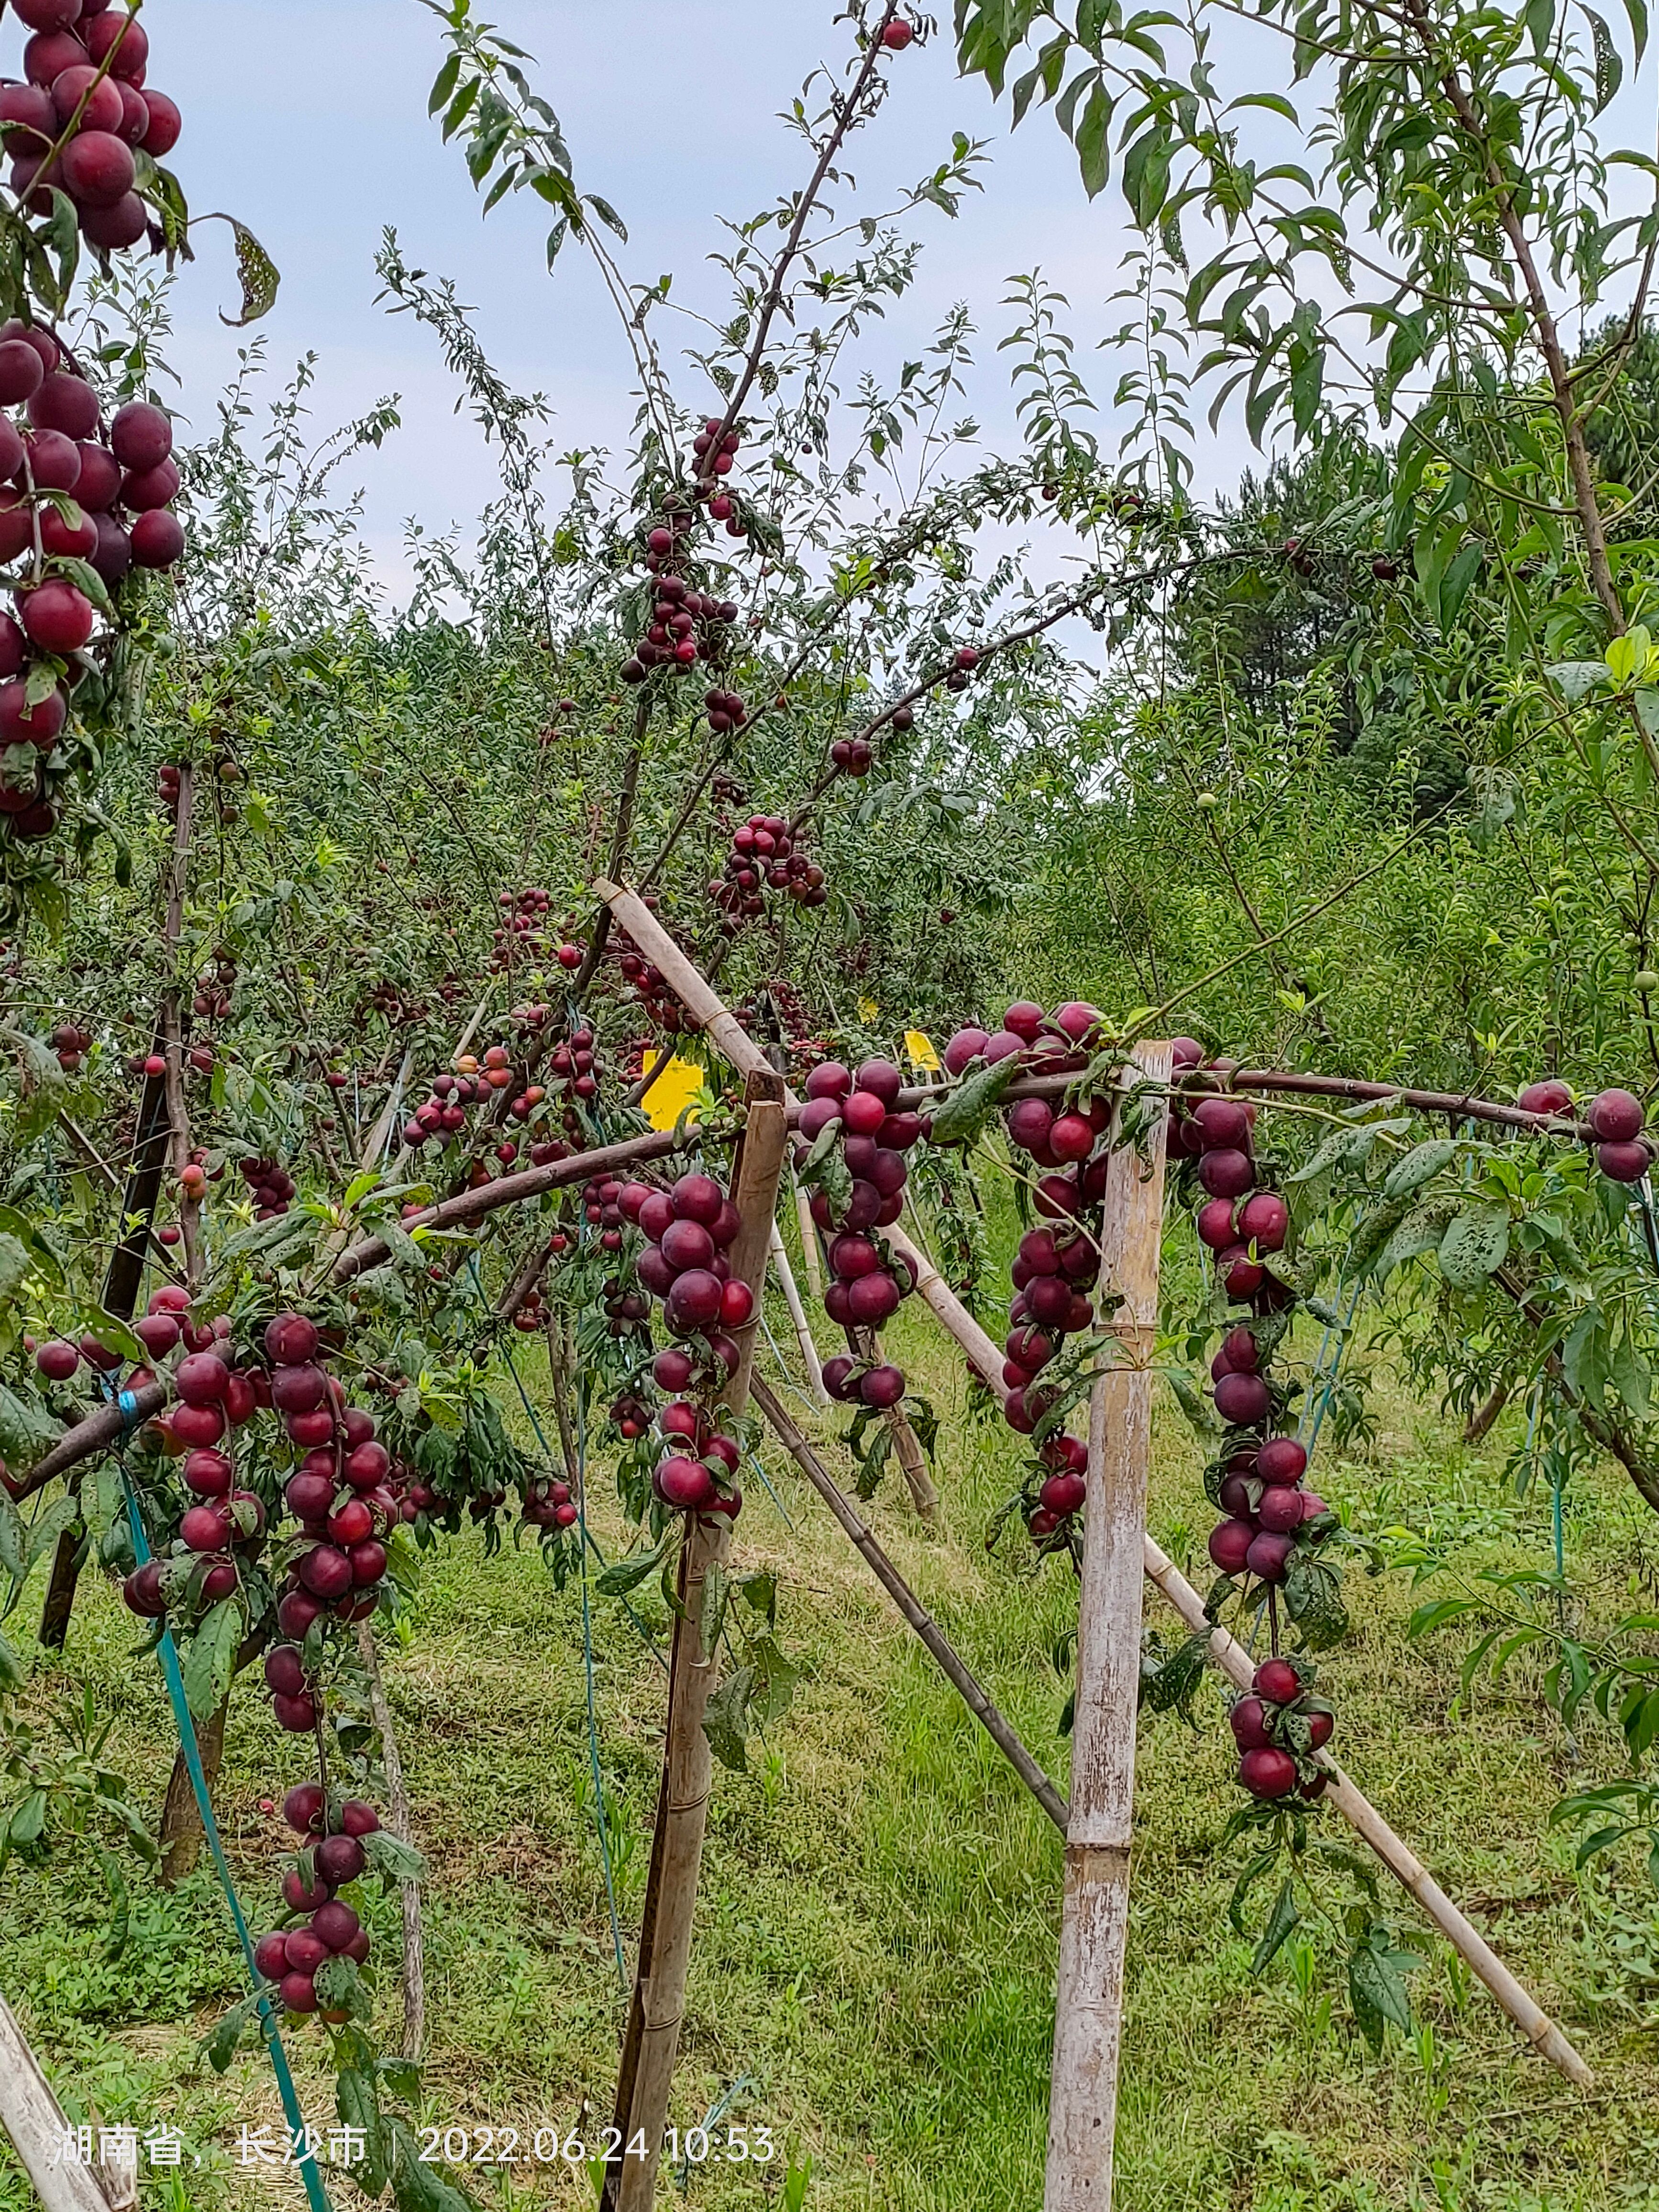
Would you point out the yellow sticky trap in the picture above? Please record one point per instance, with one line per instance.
(868, 1010)
(923, 1058)
(672, 1093)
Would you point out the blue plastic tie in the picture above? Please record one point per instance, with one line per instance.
(316, 2195)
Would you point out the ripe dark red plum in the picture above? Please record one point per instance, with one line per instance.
(97, 100)
(340, 1859)
(896, 36)
(1269, 1557)
(298, 1389)
(302, 1809)
(298, 1716)
(1282, 1459)
(697, 1198)
(201, 1379)
(1277, 1681)
(1264, 1221)
(142, 1591)
(1077, 1019)
(816, 1115)
(829, 1080)
(305, 1951)
(871, 1300)
(368, 1466)
(209, 1474)
(1215, 1224)
(1549, 1097)
(56, 617)
(301, 1896)
(1247, 1722)
(1242, 1401)
(358, 1818)
(144, 489)
(1003, 1044)
(1024, 1020)
(98, 171)
(1616, 1117)
(335, 1924)
(1242, 1275)
(157, 540)
(291, 1341)
(350, 1523)
(1230, 1545)
(883, 1387)
(1623, 1163)
(881, 1079)
(54, 461)
(28, 122)
(205, 1529)
(57, 1360)
(1280, 1511)
(686, 1485)
(838, 1375)
(297, 1993)
(166, 125)
(49, 54)
(197, 1425)
(20, 377)
(47, 15)
(687, 1244)
(297, 1612)
(864, 1113)
(672, 1369)
(113, 557)
(124, 42)
(693, 1302)
(1072, 1137)
(1226, 1174)
(283, 1671)
(116, 227)
(658, 1277)
(1049, 1301)
(310, 1496)
(736, 1305)
(1235, 1496)
(326, 1572)
(1241, 1351)
(1222, 1125)
(1063, 1495)
(368, 1562)
(62, 539)
(270, 1957)
(1321, 1727)
(964, 1048)
(1267, 1772)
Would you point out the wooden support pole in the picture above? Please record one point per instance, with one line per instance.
(646, 2076)
(951, 1664)
(1095, 1926)
(809, 1350)
(808, 1241)
(986, 1357)
(397, 1820)
(43, 2139)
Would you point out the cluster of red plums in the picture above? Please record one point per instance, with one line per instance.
(71, 1042)
(549, 1504)
(1277, 1726)
(82, 115)
(686, 626)
(868, 1281)
(651, 987)
(1058, 1262)
(764, 856)
(319, 1925)
(1615, 1119)
(520, 933)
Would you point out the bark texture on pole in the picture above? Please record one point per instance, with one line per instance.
(397, 1794)
(1094, 1930)
(646, 2076)
(35, 2120)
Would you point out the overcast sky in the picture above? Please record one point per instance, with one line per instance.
(308, 119)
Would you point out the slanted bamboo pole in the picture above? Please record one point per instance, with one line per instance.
(45, 2142)
(1528, 2016)
(974, 1695)
(397, 1792)
(786, 1283)
(809, 1240)
(646, 2075)
(1094, 1923)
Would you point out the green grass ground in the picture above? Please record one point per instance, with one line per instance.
(877, 1931)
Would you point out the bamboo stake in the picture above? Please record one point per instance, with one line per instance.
(786, 1283)
(808, 1241)
(1095, 1926)
(974, 1696)
(42, 2136)
(397, 1793)
(1533, 2023)
(646, 2075)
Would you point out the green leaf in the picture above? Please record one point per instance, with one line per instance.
(1476, 1243)
(13, 1542)
(340, 1989)
(775, 1677)
(1282, 1922)
(210, 1659)
(965, 1112)
(623, 1576)
(220, 2047)
(1375, 1984)
(725, 1718)
(390, 1855)
(1420, 1165)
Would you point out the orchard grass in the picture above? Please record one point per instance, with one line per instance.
(880, 1902)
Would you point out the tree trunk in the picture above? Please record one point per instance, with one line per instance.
(1482, 1419)
(181, 1824)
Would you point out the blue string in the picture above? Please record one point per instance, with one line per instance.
(316, 2195)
